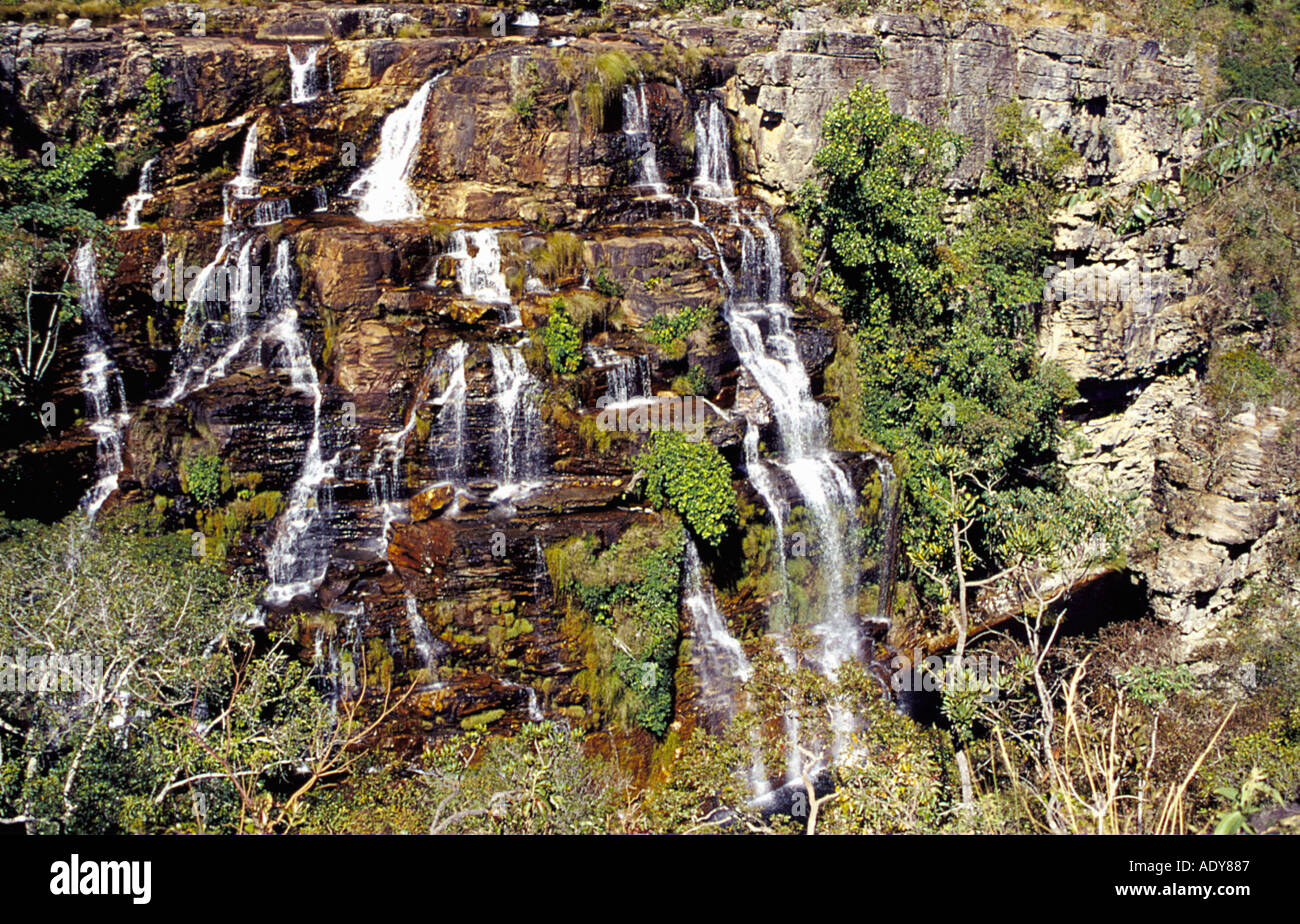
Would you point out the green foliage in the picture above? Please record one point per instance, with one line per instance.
(894, 783)
(946, 355)
(149, 107)
(696, 381)
(874, 214)
(630, 592)
(1240, 375)
(605, 285)
(524, 103)
(202, 475)
(694, 480)
(663, 330)
(1153, 685)
(45, 214)
(563, 341)
(164, 630)
(537, 781)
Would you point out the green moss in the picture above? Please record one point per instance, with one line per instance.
(621, 611)
(481, 720)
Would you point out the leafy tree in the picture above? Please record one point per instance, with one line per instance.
(875, 212)
(44, 217)
(537, 781)
(944, 317)
(188, 719)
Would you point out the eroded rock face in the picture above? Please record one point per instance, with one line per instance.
(1223, 500)
(1114, 98)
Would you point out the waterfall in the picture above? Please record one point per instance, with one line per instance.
(385, 472)
(271, 212)
(320, 198)
(541, 573)
(479, 274)
(516, 462)
(718, 659)
(382, 188)
(527, 20)
(713, 154)
(243, 302)
(101, 383)
(299, 555)
(447, 436)
(889, 544)
(135, 202)
(303, 83)
(636, 128)
(215, 283)
(425, 643)
(758, 320)
(247, 183)
(626, 377)
(760, 477)
(185, 361)
(803, 429)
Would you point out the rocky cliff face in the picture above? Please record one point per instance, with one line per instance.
(450, 462)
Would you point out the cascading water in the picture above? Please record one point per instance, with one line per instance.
(627, 378)
(303, 82)
(803, 431)
(516, 461)
(719, 661)
(299, 555)
(382, 189)
(713, 154)
(425, 643)
(478, 270)
(100, 383)
(636, 128)
(271, 212)
(385, 472)
(889, 545)
(758, 319)
(447, 436)
(243, 302)
(247, 183)
(760, 477)
(135, 202)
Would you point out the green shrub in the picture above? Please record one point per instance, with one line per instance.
(695, 382)
(630, 593)
(606, 286)
(562, 340)
(666, 329)
(692, 479)
(202, 479)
